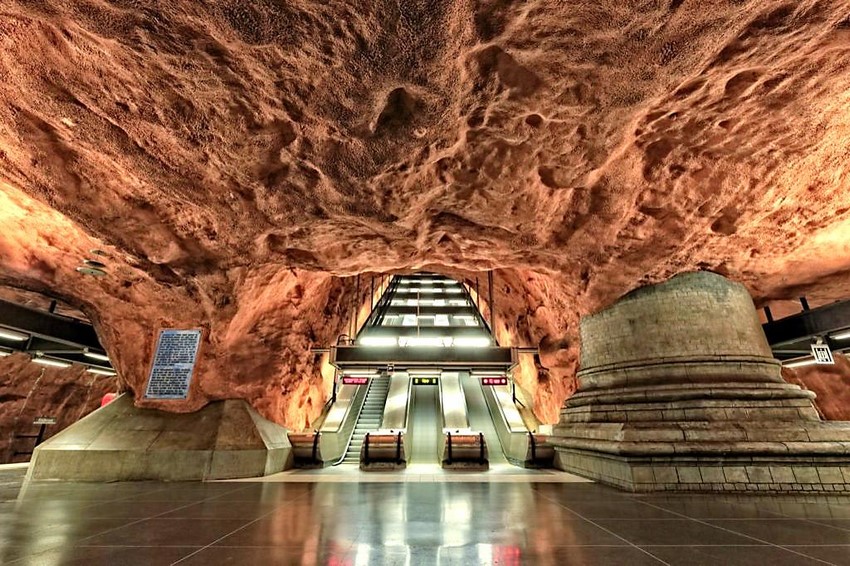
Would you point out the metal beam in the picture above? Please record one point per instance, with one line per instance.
(51, 327)
(808, 324)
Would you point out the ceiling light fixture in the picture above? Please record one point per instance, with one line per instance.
(800, 363)
(91, 271)
(384, 341)
(4, 353)
(841, 335)
(51, 362)
(101, 371)
(94, 263)
(95, 355)
(14, 335)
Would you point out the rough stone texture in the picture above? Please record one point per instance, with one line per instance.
(690, 390)
(233, 157)
(120, 442)
(831, 383)
(29, 390)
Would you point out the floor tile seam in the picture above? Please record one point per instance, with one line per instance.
(246, 525)
(820, 524)
(739, 534)
(630, 543)
(158, 515)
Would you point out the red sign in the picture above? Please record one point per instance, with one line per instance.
(494, 380)
(348, 380)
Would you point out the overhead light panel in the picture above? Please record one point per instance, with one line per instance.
(380, 341)
(96, 356)
(101, 371)
(4, 353)
(13, 335)
(52, 362)
(841, 335)
(800, 363)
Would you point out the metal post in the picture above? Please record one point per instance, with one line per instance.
(533, 446)
(52, 308)
(449, 441)
(481, 441)
(315, 446)
(805, 303)
(356, 301)
(492, 310)
(398, 449)
(768, 314)
(333, 391)
(477, 295)
(372, 296)
(366, 449)
(40, 437)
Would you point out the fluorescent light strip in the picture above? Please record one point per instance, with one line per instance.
(13, 335)
(96, 356)
(378, 341)
(800, 363)
(99, 371)
(4, 353)
(841, 335)
(51, 362)
(472, 342)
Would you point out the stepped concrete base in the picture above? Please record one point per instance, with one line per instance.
(678, 391)
(120, 442)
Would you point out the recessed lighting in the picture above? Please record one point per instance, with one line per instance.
(94, 263)
(377, 341)
(472, 342)
(841, 335)
(51, 362)
(91, 271)
(13, 335)
(96, 356)
(97, 252)
(99, 371)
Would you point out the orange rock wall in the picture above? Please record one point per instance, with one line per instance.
(831, 383)
(239, 162)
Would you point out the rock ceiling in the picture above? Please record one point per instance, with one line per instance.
(238, 163)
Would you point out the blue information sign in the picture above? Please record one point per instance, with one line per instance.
(173, 364)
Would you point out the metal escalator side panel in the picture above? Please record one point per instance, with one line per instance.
(453, 402)
(480, 418)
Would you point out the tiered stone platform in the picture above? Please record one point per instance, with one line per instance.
(678, 390)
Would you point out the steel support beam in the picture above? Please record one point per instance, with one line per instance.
(820, 321)
(51, 327)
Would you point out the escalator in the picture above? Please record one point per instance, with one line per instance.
(369, 419)
(424, 427)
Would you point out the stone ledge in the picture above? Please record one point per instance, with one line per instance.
(762, 475)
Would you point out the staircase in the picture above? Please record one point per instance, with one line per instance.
(369, 419)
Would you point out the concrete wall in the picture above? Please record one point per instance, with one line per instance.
(120, 442)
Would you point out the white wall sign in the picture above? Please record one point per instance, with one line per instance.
(822, 354)
(173, 364)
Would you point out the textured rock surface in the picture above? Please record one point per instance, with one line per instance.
(831, 383)
(231, 160)
(28, 391)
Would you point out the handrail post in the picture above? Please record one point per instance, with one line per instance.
(481, 440)
(316, 446)
(398, 449)
(449, 440)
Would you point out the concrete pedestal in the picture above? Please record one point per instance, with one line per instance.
(120, 442)
(678, 390)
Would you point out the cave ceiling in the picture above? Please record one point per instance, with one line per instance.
(237, 163)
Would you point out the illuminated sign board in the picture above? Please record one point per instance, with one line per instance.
(348, 380)
(425, 380)
(494, 380)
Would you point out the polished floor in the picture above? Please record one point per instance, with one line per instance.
(409, 523)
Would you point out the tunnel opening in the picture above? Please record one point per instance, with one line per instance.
(53, 370)
(424, 381)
